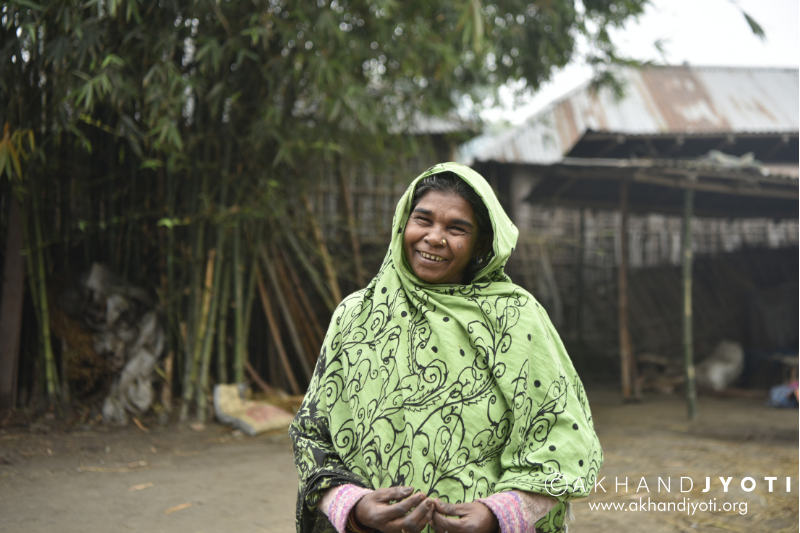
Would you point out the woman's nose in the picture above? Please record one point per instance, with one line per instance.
(435, 238)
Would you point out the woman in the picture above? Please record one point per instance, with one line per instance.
(443, 397)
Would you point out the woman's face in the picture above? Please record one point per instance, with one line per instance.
(440, 237)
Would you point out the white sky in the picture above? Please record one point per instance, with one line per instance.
(700, 32)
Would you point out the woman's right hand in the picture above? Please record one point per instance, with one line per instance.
(375, 510)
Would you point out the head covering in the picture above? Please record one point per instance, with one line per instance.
(460, 391)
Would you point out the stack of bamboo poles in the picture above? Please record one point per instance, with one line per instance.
(228, 279)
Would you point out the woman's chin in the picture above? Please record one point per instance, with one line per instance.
(434, 277)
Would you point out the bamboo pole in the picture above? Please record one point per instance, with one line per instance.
(351, 224)
(276, 335)
(33, 286)
(327, 262)
(192, 302)
(44, 315)
(622, 308)
(191, 384)
(205, 358)
(171, 295)
(65, 399)
(203, 390)
(238, 294)
(250, 296)
(287, 315)
(166, 392)
(222, 368)
(688, 346)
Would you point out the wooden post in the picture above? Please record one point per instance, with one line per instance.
(579, 275)
(622, 284)
(686, 260)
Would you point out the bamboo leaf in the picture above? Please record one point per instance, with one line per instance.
(29, 4)
(755, 26)
(132, 10)
(151, 164)
(112, 59)
(15, 160)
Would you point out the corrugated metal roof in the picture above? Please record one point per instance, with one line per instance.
(658, 100)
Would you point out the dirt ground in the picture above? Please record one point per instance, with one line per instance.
(84, 480)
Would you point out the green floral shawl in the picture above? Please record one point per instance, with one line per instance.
(460, 391)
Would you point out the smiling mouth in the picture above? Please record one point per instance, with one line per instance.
(432, 257)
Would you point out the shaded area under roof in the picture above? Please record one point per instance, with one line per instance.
(657, 187)
(775, 147)
(675, 100)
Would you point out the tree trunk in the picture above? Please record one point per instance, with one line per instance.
(11, 307)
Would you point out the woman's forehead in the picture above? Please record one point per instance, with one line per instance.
(444, 200)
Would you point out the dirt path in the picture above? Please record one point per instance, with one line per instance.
(80, 481)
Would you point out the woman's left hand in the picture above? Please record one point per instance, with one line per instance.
(473, 517)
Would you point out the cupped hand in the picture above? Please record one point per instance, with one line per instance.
(472, 517)
(410, 514)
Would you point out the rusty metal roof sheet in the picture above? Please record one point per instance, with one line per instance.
(658, 100)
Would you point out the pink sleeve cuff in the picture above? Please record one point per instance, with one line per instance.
(508, 509)
(339, 501)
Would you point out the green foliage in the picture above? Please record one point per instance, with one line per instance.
(285, 77)
(12, 148)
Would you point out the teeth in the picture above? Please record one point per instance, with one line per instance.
(431, 257)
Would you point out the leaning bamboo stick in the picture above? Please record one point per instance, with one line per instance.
(260, 382)
(276, 335)
(301, 294)
(287, 315)
(327, 262)
(311, 271)
(303, 323)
